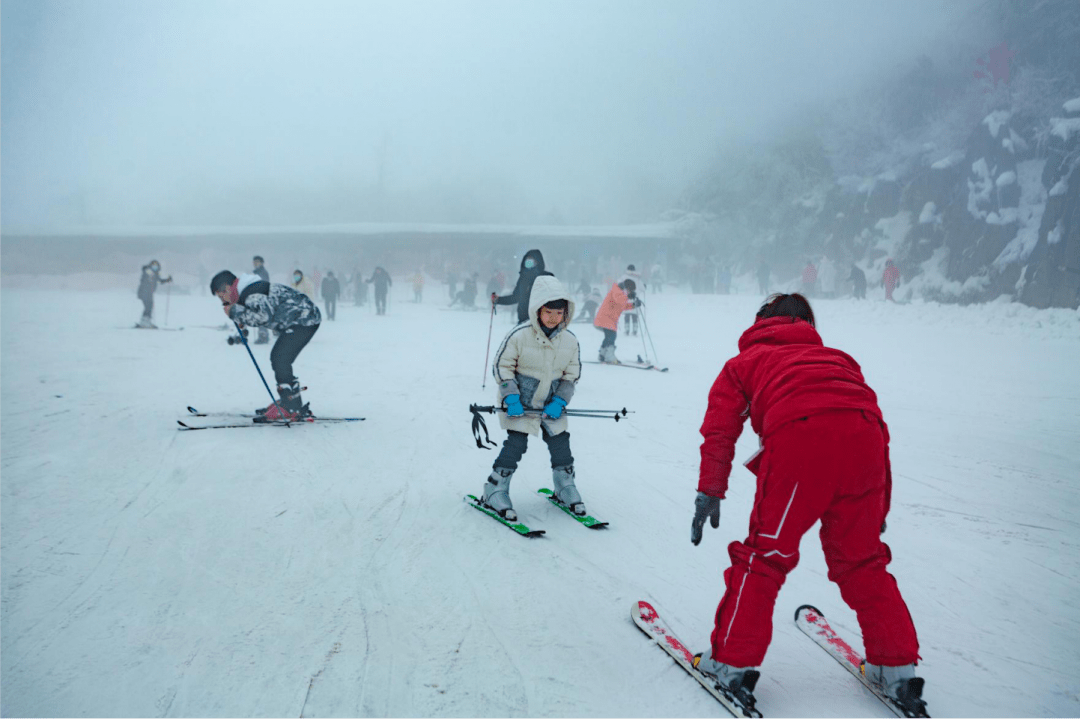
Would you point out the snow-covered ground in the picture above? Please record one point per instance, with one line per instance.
(335, 571)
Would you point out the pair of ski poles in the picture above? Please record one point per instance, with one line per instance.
(646, 334)
(478, 424)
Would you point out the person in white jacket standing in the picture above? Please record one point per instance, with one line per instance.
(827, 276)
(537, 367)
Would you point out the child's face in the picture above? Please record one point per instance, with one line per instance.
(551, 318)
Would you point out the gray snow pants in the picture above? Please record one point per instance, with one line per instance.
(513, 449)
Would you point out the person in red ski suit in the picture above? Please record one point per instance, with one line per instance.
(824, 456)
(890, 278)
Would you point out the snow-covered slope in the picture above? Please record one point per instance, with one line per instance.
(335, 571)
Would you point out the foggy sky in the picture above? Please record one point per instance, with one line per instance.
(158, 112)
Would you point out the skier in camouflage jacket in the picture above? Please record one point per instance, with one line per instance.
(250, 300)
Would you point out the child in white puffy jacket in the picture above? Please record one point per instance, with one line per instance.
(537, 368)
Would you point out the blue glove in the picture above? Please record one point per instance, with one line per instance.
(513, 406)
(555, 407)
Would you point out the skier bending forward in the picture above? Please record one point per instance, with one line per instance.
(824, 456)
(250, 300)
(537, 366)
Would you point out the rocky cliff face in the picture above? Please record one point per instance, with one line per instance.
(967, 219)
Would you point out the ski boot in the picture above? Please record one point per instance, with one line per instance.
(565, 491)
(736, 682)
(145, 324)
(287, 408)
(899, 685)
(607, 355)
(497, 493)
(263, 410)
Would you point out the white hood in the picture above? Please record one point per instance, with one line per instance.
(546, 289)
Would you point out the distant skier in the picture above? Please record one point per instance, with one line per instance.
(359, 288)
(537, 366)
(656, 277)
(607, 317)
(249, 300)
(764, 272)
(418, 286)
(382, 281)
(827, 278)
(824, 456)
(331, 289)
(532, 266)
(467, 296)
(451, 284)
(260, 270)
(858, 280)
(303, 284)
(723, 280)
(591, 303)
(148, 282)
(809, 279)
(891, 279)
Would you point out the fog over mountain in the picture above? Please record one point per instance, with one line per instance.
(123, 113)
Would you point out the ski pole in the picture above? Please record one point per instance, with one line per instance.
(487, 353)
(252, 356)
(168, 294)
(645, 327)
(644, 346)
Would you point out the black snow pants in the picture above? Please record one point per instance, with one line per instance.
(288, 346)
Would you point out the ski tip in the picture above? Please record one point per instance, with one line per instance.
(644, 611)
(811, 607)
(192, 410)
(598, 525)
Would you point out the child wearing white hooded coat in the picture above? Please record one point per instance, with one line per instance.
(537, 366)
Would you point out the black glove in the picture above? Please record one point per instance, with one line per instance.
(704, 507)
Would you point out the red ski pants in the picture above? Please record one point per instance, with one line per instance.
(830, 467)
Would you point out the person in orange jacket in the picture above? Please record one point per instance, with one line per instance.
(607, 317)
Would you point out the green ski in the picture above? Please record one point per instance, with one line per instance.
(518, 527)
(588, 521)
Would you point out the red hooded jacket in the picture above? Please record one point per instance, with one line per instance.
(783, 372)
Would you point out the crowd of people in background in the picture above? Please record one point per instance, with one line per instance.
(821, 277)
